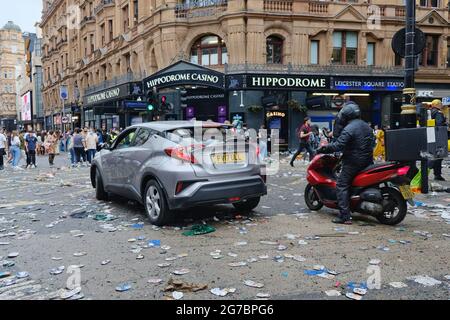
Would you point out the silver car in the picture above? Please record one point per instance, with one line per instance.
(172, 165)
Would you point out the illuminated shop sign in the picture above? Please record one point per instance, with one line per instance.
(367, 84)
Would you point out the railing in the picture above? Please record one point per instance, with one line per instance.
(318, 7)
(128, 77)
(200, 8)
(103, 4)
(87, 19)
(382, 11)
(278, 6)
(331, 70)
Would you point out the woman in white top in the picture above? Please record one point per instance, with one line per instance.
(15, 149)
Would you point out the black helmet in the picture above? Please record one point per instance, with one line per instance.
(350, 111)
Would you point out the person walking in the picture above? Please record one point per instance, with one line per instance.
(50, 147)
(304, 135)
(3, 144)
(262, 135)
(15, 150)
(379, 152)
(441, 121)
(71, 149)
(79, 145)
(91, 145)
(30, 147)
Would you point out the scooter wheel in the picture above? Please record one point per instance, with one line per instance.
(311, 199)
(394, 208)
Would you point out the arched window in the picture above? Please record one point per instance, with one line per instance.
(209, 51)
(274, 46)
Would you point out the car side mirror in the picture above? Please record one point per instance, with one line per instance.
(106, 146)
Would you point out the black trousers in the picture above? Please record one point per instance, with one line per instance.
(79, 154)
(2, 152)
(437, 167)
(301, 148)
(31, 157)
(51, 158)
(344, 187)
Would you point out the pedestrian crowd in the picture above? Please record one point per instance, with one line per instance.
(25, 146)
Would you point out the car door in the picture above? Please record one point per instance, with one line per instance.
(115, 161)
(134, 158)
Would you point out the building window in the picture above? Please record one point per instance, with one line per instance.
(430, 3)
(429, 56)
(371, 54)
(111, 30)
(345, 47)
(125, 18)
(314, 52)
(274, 47)
(136, 11)
(448, 56)
(102, 33)
(92, 43)
(209, 51)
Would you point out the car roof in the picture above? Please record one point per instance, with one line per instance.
(172, 125)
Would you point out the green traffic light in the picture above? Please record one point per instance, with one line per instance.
(150, 107)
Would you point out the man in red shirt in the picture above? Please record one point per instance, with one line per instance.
(304, 133)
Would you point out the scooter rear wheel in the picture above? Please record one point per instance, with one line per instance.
(395, 211)
(311, 199)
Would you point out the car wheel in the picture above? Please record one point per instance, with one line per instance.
(156, 204)
(247, 205)
(100, 192)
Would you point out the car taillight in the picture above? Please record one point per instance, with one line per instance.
(403, 171)
(258, 151)
(184, 153)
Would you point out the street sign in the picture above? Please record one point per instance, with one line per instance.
(399, 40)
(446, 101)
(63, 93)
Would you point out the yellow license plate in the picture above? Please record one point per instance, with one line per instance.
(225, 158)
(406, 192)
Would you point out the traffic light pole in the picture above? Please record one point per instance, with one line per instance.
(408, 117)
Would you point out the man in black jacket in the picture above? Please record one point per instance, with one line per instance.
(438, 116)
(355, 141)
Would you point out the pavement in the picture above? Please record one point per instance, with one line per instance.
(47, 220)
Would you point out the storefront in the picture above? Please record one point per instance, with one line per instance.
(281, 101)
(110, 108)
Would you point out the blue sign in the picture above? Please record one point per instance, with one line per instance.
(135, 105)
(367, 84)
(446, 101)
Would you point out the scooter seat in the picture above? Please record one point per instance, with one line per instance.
(377, 166)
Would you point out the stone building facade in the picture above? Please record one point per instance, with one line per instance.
(93, 46)
(11, 64)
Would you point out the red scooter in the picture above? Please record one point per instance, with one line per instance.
(381, 190)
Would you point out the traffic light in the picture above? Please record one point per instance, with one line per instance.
(151, 101)
(183, 99)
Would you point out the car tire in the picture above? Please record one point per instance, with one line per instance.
(100, 192)
(155, 204)
(247, 205)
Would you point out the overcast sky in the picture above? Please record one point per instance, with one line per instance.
(24, 13)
